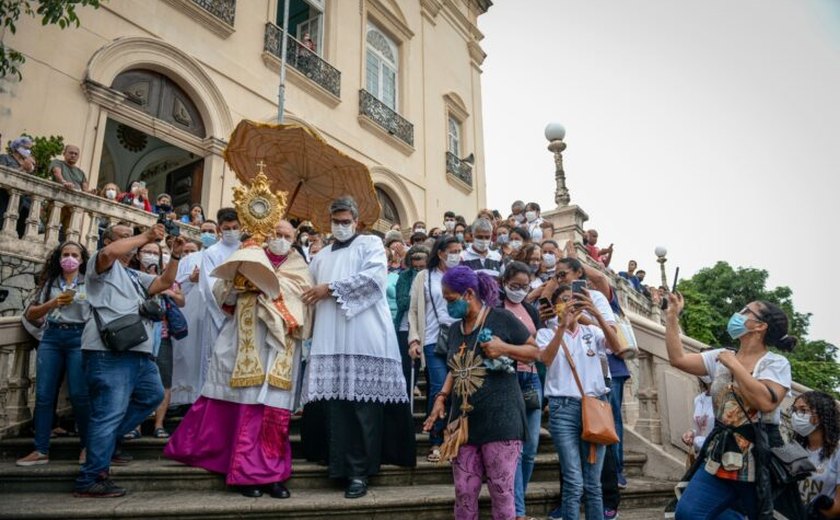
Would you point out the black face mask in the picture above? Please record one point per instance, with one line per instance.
(165, 207)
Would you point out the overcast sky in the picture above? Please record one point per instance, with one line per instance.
(708, 127)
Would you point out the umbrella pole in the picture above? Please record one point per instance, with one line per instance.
(292, 200)
(281, 95)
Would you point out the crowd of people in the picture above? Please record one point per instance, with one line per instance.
(506, 324)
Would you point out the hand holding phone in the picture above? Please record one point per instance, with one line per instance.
(579, 287)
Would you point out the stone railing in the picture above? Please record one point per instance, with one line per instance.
(16, 395)
(385, 117)
(459, 169)
(303, 59)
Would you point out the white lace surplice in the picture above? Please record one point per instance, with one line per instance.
(354, 354)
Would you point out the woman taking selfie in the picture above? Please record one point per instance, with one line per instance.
(816, 426)
(61, 301)
(748, 386)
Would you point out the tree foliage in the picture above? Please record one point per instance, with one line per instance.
(715, 293)
(51, 12)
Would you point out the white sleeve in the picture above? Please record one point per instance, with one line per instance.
(774, 368)
(544, 337)
(710, 360)
(600, 339)
(603, 306)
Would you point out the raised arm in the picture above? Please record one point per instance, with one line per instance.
(677, 356)
(120, 248)
(167, 277)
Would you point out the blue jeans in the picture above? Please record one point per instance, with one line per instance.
(708, 497)
(124, 389)
(435, 376)
(579, 476)
(525, 467)
(60, 350)
(616, 399)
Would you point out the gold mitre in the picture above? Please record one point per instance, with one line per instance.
(259, 209)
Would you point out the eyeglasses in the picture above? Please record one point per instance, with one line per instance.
(518, 287)
(747, 310)
(562, 274)
(344, 222)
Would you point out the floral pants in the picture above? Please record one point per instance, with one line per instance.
(497, 462)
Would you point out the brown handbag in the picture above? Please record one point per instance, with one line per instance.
(598, 425)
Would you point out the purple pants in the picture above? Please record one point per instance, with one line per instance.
(497, 462)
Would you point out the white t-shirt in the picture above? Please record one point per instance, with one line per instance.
(824, 480)
(771, 367)
(586, 346)
(603, 305)
(434, 279)
(704, 419)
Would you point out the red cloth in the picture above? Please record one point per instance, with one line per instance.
(249, 443)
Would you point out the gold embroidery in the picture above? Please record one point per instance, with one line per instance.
(248, 370)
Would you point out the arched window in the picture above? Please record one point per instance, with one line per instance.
(382, 57)
(389, 210)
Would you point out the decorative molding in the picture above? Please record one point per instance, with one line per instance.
(216, 15)
(393, 22)
(371, 125)
(458, 183)
(456, 105)
(394, 185)
(477, 54)
(430, 9)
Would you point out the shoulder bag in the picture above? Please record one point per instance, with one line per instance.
(597, 423)
(125, 332)
(442, 345)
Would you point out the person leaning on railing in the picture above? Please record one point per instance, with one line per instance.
(748, 385)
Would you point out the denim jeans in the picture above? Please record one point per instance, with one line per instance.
(708, 497)
(60, 351)
(579, 476)
(435, 376)
(525, 467)
(616, 400)
(124, 389)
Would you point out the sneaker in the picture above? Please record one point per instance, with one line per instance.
(33, 459)
(556, 513)
(83, 457)
(101, 489)
(121, 458)
(610, 514)
(622, 482)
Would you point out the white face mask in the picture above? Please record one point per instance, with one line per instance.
(516, 245)
(449, 225)
(549, 261)
(342, 232)
(453, 260)
(166, 258)
(148, 259)
(530, 216)
(520, 217)
(801, 424)
(515, 296)
(420, 230)
(231, 236)
(111, 194)
(481, 244)
(279, 246)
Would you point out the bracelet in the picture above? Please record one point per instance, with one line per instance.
(173, 257)
(442, 394)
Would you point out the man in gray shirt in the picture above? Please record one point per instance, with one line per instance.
(124, 387)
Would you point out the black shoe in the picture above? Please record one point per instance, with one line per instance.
(251, 491)
(356, 489)
(121, 458)
(278, 490)
(101, 489)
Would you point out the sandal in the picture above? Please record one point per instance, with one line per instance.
(132, 435)
(160, 433)
(434, 455)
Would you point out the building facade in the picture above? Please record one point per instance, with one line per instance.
(151, 90)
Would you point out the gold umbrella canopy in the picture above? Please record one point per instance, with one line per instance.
(302, 164)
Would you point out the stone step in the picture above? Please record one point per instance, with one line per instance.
(644, 499)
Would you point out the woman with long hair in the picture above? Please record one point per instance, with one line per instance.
(748, 385)
(60, 300)
(484, 345)
(815, 420)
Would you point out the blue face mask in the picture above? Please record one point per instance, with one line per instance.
(208, 239)
(457, 309)
(737, 325)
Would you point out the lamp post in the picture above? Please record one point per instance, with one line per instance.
(555, 132)
(660, 257)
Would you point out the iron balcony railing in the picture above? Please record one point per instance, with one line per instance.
(224, 10)
(384, 116)
(460, 169)
(304, 60)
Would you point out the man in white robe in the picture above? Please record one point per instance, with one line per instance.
(354, 365)
(186, 352)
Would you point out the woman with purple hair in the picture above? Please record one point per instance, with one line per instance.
(485, 391)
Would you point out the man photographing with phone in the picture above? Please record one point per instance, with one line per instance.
(122, 378)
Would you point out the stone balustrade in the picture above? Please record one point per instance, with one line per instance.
(17, 397)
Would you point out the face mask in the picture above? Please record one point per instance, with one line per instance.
(420, 230)
(69, 264)
(111, 194)
(549, 261)
(515, 296)
(457, 309)
(304, 239)
(530, 216)
(343, 233)
(135, 190)
(279, 246)
(208, 239)
(533, 268)
(165, 207)
(26, 152)
(149, 259)
(453, 260)
(520, 217)
(737, 326)
(801, 424)
(449, 225)
(502, 240)
(460, 237)
(481, 244)
(231, 236)
(515, 244)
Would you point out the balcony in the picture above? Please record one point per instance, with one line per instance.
(224, 10)
(385, 118)
(216, 15)
(459, 169)
(303, 60)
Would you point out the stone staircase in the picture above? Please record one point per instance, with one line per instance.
(160, 488)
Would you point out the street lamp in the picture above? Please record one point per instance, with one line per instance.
(555, 132)
(660, 253)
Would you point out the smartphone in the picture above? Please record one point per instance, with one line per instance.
(579, 286)
(676, 279)
(544, 302)
(142, 184)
